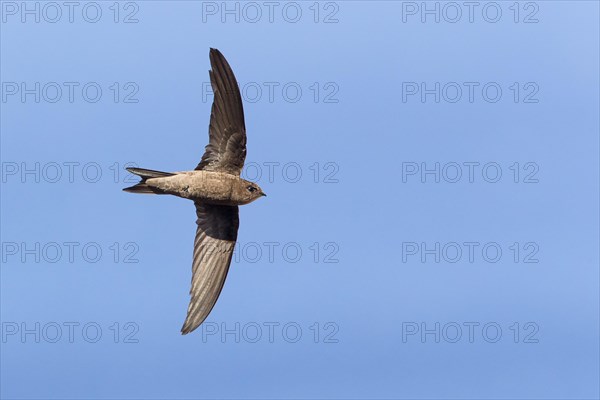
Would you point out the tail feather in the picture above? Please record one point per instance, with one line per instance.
(145, 174)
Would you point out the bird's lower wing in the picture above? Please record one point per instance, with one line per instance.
(213, 248)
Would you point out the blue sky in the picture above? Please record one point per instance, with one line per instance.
(431, 225)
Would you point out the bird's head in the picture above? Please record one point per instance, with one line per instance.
(251, 191)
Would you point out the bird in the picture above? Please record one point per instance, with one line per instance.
(216, 188)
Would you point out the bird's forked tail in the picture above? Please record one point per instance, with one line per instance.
(145, 174)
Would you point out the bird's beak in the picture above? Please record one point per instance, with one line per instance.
(264, 194)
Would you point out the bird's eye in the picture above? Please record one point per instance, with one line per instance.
(251, 189)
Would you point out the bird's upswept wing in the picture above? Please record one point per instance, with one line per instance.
(213, 248)
(226, 150)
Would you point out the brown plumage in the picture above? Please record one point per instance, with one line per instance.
(215, 187)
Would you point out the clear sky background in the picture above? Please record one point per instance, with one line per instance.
(389, 260)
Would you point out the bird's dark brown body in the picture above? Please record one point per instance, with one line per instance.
(208, 187)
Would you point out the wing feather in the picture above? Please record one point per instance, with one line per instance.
(213, 248)
(226, 149)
